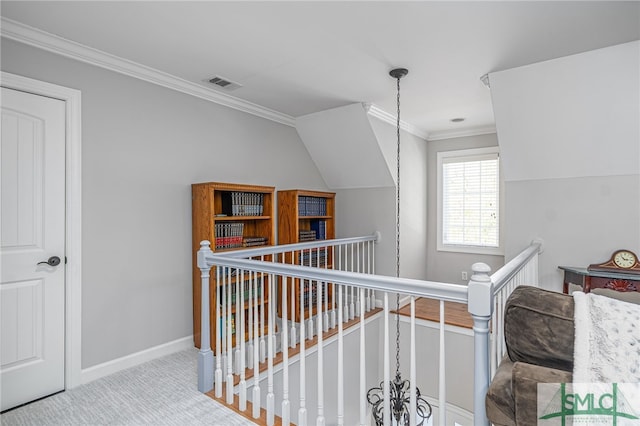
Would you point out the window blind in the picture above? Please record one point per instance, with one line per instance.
(470, 201)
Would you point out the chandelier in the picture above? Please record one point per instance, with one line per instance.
(399, 389)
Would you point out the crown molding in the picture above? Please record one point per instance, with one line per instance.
(450, 134)
(31, 36)
(382, 115)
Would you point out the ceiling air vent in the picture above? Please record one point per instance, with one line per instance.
(224, 83)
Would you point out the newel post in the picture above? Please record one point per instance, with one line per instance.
(205, 356)
(480, 296)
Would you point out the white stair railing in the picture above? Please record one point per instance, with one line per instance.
(487, 298)
(339, 284)
(521, 270)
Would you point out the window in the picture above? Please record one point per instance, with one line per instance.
(469, 200)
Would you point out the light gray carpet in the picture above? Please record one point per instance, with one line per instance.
(160, 392)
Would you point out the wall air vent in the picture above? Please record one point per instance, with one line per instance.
(224, 83)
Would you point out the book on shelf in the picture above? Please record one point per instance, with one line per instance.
(255, 241)
(320, 229)
(237, 203)
(307, 236)
(228, 235)
(312, 206)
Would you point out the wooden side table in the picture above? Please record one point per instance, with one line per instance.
(599, 279)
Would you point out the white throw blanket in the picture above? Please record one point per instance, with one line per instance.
(607, 340)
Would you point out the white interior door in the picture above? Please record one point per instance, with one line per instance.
(32, 294)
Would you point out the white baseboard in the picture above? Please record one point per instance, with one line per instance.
(101, 370)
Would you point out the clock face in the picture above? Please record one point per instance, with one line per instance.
(624, 259)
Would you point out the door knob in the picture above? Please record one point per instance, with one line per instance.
(52, 261)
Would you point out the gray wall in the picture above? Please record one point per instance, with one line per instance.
(446, 266)
(142, 147)
(361, 211)
(569, 134)
(581, 220)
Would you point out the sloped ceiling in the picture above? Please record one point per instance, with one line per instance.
(364, 159)
(570, 117)
(295, 58)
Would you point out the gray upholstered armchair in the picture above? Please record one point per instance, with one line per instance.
(539, 333)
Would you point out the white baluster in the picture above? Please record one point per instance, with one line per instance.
(320, 369)
(270, 395)
(357, 312)
(495, 342)
(367, 263)
(332, 315)
(285, 414)
(352, 306)
(310, 329)
(342, 306)
(340, 361)
(294, 333)
(242, 385)
(370, 258)
(325, 316)
(229, 342)
(218, 374)
(442, 397)
(263, 346)
(237, 351)
(223, 321)
(498, 326)
(274, 337)
(386, 404)
(363, 370)
(345, 308)
(373, 271)
(250, 303)
(255, 400)
(494, 356)
(413, 420)
(302, 411)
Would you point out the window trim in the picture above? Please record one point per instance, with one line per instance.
(469, 155)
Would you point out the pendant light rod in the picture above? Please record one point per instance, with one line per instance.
(398, 73)
(399, 390)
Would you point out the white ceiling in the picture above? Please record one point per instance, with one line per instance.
(300, 57)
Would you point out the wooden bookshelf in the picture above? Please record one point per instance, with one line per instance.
(229, 216)
(300, 212)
